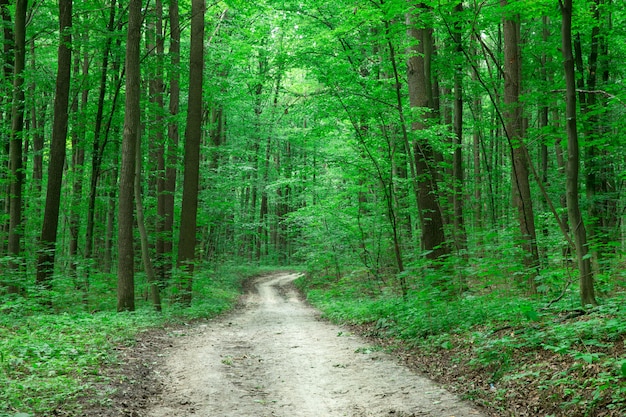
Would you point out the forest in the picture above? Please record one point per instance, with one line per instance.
(447, 175)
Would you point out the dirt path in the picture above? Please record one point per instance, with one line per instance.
(275, 358)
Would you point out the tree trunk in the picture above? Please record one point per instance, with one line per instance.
(166, 199)
(421, 97)
(98, 143)
(78, 161)
(151, 277)
(15, 145)
(457, 162)
(514, 131)
(5, 97)
(587, 296)
(598, 175)
(45, 262)
(193, 134)
(125, 242)
(37, 122)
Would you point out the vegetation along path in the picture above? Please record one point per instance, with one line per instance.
(275, 358)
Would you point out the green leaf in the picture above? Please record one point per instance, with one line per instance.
(624, 369)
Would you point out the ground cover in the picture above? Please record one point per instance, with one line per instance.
(516, 355)
(64, 355)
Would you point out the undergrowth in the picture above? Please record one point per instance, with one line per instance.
(511, 347)
(52, 353)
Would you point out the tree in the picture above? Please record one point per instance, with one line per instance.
(421, 97)
(45, 262)
(458, 174)
(125, 241)
(167, 158)
(143, 234)
(15, 144)
(587, 295)
(193, 134)
(514, 132)
(100, 135)
(170, 155)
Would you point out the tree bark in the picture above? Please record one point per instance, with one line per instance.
(421, 96)
(514, 131)
(45, 261)
(166, 199)
(78, 161)
(193, 134)
(148, 267)
(457, 163)
(125, 242)
(6, 96)
(15, 145)
(98, 142)
(587, 296)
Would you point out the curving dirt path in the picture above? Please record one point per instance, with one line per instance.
(275, 358)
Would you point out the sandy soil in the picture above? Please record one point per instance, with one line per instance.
(273, 357)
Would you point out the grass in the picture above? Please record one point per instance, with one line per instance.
(502, 347)
(51, 357)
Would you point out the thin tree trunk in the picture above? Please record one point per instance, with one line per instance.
(161, 151)
(587, 296)
(78, 161)
(151, 277)
(98, 143)
(515, 132)
(125, 242)
(193, 134)
(457, 163)
(6, 96)
(37, 122)
(171, 157)
(15, 145)
(45, 261)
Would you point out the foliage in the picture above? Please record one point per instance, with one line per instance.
(551, 348)
(49, 358)
(307, 159)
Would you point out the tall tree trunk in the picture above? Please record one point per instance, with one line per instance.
(125, 242)
(421, 97)
(78, 162)
(143, 234)
(193, 134)
(587, 295)
(37, 123)
(457, 162)
(597, 166)
(514, 131)
(6, 96)
(166, 199)
(98, 142)
(45, 261)
(161, 146)
(15, 145)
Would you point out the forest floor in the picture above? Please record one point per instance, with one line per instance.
(272, 356)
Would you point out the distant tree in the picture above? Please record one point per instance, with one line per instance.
(6, 83)
(15, 144)
(587, 295)
(125, 241)
(193, 134)
(169, 163)
(514, 131)
(45, 262)
(457, 163)
(99, 133)
(148, 267)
